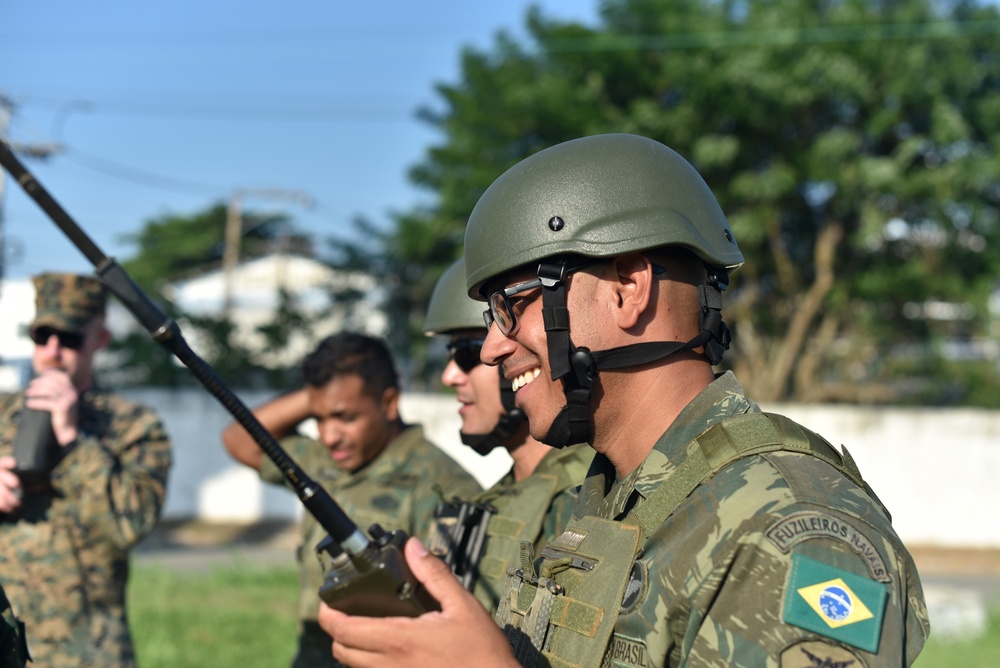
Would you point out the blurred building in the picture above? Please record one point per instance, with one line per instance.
(253, 294)
(17, 309)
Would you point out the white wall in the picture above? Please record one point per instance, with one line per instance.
(936, 470)
(207, 484)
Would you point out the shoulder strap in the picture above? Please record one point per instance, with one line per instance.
(732, 439)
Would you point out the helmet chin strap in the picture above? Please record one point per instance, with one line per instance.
(578, 367)
(508, 424)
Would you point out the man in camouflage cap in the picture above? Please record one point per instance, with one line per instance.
(707, 532)
(375, 466)
(66, 529)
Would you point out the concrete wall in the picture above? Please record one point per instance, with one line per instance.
(938, 471)
(206, 483)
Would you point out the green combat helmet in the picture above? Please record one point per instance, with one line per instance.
(450, 310)
(599, 197)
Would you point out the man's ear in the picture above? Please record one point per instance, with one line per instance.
(632, 284)
(390, 404)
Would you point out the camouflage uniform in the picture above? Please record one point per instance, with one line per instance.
(13, 651)
(535, 509)
(396, 490)
(778, 559)
(64, 555)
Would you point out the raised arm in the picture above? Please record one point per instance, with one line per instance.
(280, 417)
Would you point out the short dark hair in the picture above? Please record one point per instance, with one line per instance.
(350, 353)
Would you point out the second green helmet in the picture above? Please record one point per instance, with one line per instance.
(598, 196)
(450, 308)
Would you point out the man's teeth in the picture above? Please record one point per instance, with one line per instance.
(524, 379)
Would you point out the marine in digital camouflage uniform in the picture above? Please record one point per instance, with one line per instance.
(65, 537)
(535, 499)
(378, 469)
(707, 532)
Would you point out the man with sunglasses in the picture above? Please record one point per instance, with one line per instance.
(707, 533)
(378, 468)
(480, 537)
(67, 524)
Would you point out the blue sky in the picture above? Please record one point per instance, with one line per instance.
(169, 107)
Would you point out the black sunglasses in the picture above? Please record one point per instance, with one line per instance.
(68, 340)
(466, 352)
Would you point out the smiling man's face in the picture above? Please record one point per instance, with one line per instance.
(355, 426)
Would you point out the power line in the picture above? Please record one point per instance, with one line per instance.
(141, 176)
(174, 111)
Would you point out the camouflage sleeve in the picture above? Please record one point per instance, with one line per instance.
(114, 484)
(809, 577)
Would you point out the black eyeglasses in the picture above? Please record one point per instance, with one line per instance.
(500, 310)
(466, 352)
(68, 340)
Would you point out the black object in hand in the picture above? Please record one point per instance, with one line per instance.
(35, 447)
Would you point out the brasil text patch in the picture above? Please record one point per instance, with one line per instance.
(835, 603)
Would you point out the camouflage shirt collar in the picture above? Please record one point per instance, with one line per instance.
(720, 400)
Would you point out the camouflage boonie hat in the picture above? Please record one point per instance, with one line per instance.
(67, 302)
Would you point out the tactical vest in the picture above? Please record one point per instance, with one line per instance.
(563, 613)
(512, 514)
(518, 518)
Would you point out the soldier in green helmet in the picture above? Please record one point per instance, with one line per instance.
(68, 521)
(480, 537)
(707, 532)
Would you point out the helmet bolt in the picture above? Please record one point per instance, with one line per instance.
(556, 223)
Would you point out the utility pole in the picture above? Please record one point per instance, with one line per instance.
(234, 231)
(7, 107)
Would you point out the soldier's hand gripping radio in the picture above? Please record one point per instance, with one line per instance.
(368, 574)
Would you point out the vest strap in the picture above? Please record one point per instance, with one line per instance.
(725, 442)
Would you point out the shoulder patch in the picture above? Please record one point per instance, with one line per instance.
(834, 603)
(818, 654)
(626, 652)
(789, 531)
(635, 590)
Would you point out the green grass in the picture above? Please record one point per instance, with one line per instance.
(237, 617)
(981, 652)
(223, 618)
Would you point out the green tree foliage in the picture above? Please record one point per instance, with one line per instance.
(854, 145)
(173, 247)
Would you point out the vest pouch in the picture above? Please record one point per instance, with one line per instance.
(564, 616)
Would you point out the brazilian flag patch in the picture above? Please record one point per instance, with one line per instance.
(835, 603)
